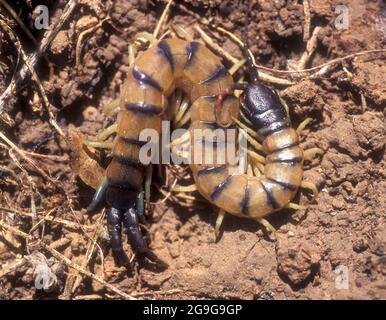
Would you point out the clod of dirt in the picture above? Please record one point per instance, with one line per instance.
(60, 43)
(369, 78)
(83, 161)
(297, 261)
(357, 137)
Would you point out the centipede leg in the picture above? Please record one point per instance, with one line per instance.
(265, 223)
(256, 156)
(102, 136)
(130, 221)
(98, 196)
(303, 124)
(181, 112)
(253, 134)
(114, 224)
(98, 144)
(310, 186)
(295, 206)
(100, 140)
(285, 105)
(111, 108)
(140, 207)
(219, 221)
(309, 153)
(191, 188)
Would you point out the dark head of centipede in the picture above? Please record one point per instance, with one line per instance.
(262, 107)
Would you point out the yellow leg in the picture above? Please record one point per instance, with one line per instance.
(249, 123)
(303, 124)
(102, 136)
(236, 66)
(256, 171)
(219, 221)
(190, 188)
(250, 132)
(309, 153)
(266, 224)
(254, 143)
(256, 156)
(111, 108)
(184, 138)
(260, 166)
(295, 206)
(174, 104)
(250, 171)
(98, 145)
(185, 196)
(184, 120)
(284, 103)
(181, 32)
(181, 111)
(310, 186)
(144, 37)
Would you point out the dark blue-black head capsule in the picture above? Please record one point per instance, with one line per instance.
(263, 108)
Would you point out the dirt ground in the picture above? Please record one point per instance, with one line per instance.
(335, 249)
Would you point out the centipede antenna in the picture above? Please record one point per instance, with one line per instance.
(251, 67)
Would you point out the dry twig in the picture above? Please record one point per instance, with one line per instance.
(68, 262)
(33, 59)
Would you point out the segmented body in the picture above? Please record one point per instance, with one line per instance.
(193, 68)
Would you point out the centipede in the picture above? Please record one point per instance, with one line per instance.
(172, 64)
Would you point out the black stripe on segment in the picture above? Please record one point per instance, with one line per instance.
(285, 185)
(218, 73)
(209, 123)
(191, 49)
(244, 205)
(145, 108)
(133, 141)
(220, 188)
(270, 197)
(127, 161)
(291, 161)
(211, 98)
(274, 127)
(143, 78)
(164, 49)
(288, 145)
(210, 170)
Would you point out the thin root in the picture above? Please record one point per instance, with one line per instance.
(190, 188)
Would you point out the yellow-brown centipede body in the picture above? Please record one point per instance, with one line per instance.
(190, 66)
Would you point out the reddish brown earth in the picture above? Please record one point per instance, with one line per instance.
(343, 229)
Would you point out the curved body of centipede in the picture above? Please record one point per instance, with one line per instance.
(175, 63)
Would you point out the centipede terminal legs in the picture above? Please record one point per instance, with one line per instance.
(98, 197)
